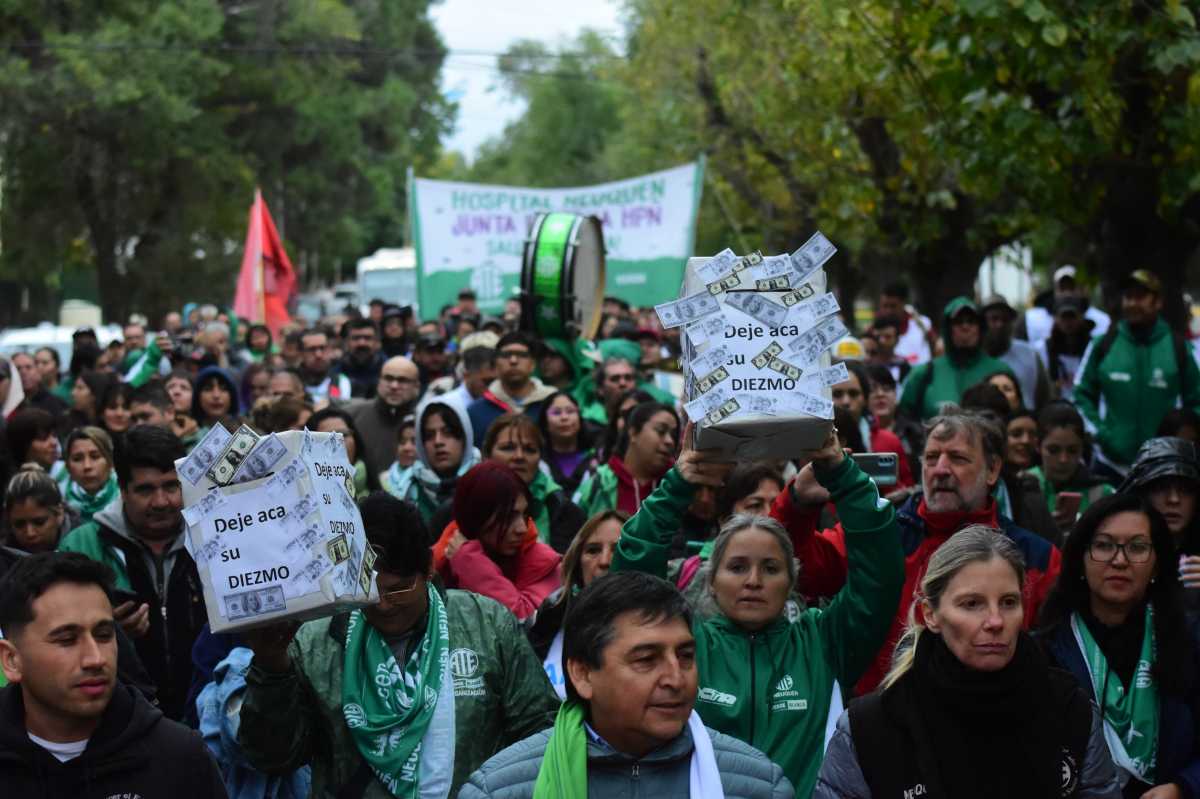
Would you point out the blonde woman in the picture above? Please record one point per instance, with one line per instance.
(971, 706)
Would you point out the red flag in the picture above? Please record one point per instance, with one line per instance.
(267, 279)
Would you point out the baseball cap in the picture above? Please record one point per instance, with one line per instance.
(1064, 272)
(83, 331)
(1144, 279)
(431, 341)
(998, 301)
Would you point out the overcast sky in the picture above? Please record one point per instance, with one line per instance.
(491, 27)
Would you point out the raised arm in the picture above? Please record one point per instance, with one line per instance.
(856, 623)
(647, 535)
(280, 717)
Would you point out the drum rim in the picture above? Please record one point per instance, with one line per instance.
(567, 296)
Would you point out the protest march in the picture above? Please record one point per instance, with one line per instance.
(609, 484)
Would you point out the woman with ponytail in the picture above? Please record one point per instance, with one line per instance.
(971, 706)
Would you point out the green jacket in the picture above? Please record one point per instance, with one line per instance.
(944, 379)
(598, 492)
(85, 539)
(1138, 382)
(501, 695)
(543, 485)
(774, 688)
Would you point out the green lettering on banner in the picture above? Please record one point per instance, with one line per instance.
(648, 225)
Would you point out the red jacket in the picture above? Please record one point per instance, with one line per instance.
(823, 560)
(520, 584)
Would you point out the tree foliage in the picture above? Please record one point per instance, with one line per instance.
(920, 134)
(135, 132)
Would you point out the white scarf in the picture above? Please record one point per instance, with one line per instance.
(704, 780)
(437, 744)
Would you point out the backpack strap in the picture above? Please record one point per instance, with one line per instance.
(1104, 345)
(1181, 363)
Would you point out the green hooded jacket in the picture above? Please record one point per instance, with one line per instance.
(579, 355)
(591, 407)
(543, 485)
(944, 379)
(774, 688)
(501, 695)
(598, 492)
(1138, 383)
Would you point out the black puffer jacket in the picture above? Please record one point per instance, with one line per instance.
(134, 752)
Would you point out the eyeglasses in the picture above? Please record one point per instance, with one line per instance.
(1102, 550)
(513, 354)
(398, 594)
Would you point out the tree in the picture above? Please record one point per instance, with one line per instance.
(142, 130)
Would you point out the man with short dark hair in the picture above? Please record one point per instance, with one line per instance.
(141, 539)
(377, 420)
(321, 381)
(403, 698)
(429, 353)
(515, 389)
(963, 458)
(67, 726)
(363, 360)
(628, 726)
(150, 404)
(887, 336)
(1135, 373)
(998, 341)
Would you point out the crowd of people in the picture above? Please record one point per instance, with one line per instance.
(575, 601)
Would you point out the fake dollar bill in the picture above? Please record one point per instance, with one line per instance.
(784, 368)
(705, 404)
(689, 309)
(811, 256)
(797, 295)
(716, 267)
(758, 306)
(706, 383)
(266, 454)
(235, 452)
(761, 360)
(210, 502)
(701, 332)
(808, 347)
(205, 454)
(794, 402)
(781, 283)
(255, 603)
(808, 313)
(838, 373)
(710, 359)
(727, 409)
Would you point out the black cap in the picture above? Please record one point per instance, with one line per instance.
(83, 331)
(431, 341)
(1161, 457)
(1069, 303)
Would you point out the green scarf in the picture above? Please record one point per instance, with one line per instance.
(1130, 716)
(563, 774)
(87, 504)
(388, 710)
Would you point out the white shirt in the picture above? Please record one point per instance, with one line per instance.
(913, 344)
(64, 752)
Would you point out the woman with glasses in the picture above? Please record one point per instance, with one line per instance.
(465, 682)
(851, 396)
(645, 451)
(1115, 620)
(566, 448)
(515, 441)
(501, 556)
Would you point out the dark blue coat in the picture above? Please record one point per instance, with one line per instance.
(1178, 745)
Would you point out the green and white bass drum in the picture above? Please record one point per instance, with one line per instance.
(562, 276)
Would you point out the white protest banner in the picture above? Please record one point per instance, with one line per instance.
(469, 234)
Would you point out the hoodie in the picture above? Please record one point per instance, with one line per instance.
(428, 489)
(133, 752)
(171, 586)
(944, 379)
(496, 402)
(224, 376)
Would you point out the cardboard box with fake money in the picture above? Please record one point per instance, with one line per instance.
(757, 330)
(273, 527)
